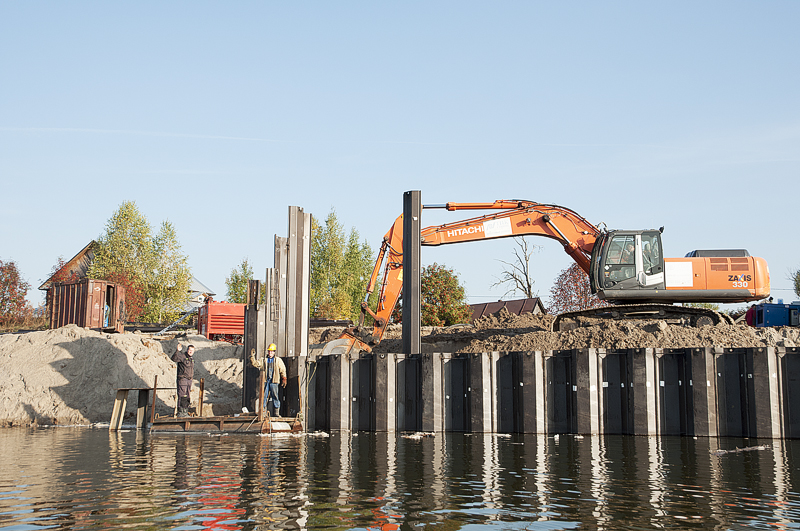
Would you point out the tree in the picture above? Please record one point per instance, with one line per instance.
(443, 298)
(340, 270)
(236, 282)
(572, 292)
(517, 273)
(126, 246)
(795, 278)
(154, 266)
(13, 290)
(167, 288)
(60, 274)
(134, 298)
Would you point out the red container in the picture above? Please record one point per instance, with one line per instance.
(88, 303)
(221, 320)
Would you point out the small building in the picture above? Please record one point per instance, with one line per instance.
(517, 307)
(198, 295)
(89, 303)
(73, 298)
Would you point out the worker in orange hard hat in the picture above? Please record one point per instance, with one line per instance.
(274, 375)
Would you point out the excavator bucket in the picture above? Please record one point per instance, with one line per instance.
(340, 346)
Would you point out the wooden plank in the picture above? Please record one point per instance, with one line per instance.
(118, 412)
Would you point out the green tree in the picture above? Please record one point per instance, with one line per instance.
(340, 270)
(167, 292)
(443, 299)
(795, 278)
(153, 265)
(13, 290)
(236, 282)
(126, 245)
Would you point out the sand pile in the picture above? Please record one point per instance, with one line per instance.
(70, 375)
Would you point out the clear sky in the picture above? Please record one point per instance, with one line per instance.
(219, 115)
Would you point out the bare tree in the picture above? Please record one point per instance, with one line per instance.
(516, 275)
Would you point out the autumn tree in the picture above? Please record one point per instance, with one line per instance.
(572, 292)
(59, 273)
(153, 265)
(236, 282)
(134, 296)
(13, 290)
(443, 300)
(340, 270)
(516, 275)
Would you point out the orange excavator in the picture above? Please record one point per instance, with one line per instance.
(626, 268)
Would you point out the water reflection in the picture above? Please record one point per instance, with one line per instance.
(84, 478)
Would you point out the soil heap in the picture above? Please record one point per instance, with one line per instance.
(504, 331)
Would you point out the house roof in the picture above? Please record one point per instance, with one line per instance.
(195, 286)
(78, 264)
(517, 307)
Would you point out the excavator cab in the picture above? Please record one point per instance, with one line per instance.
(626, 262)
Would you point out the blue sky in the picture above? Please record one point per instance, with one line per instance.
(218, 116)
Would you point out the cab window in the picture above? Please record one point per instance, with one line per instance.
(651, 253)
(620, 260)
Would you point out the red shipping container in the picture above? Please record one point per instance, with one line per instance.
(221, 320)
(89, 303)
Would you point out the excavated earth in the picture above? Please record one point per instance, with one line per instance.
(504, 331)
(70, 375)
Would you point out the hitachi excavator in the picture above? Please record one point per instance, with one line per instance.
(626, 268)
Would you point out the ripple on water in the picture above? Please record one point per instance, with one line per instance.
(90, 478)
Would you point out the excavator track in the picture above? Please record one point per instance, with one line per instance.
(686, 315)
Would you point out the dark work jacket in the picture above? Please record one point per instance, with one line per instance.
(185, 365)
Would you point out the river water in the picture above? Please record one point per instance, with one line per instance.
(90, 478)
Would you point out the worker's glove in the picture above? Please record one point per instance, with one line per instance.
(283, 381)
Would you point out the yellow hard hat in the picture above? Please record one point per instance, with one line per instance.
(272, 347)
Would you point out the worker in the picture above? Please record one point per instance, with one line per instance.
(274, 374)
(185, 376)
(627, 254)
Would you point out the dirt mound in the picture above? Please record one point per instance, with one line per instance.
(70, 375)
(504, 331)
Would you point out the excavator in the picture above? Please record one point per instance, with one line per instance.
(626, 268)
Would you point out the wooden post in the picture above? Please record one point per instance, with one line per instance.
(153, 407)
(202, 387)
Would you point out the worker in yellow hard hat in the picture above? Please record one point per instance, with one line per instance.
(274, 375)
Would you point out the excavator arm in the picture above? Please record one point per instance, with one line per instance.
(518, 218)
(514, 218)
